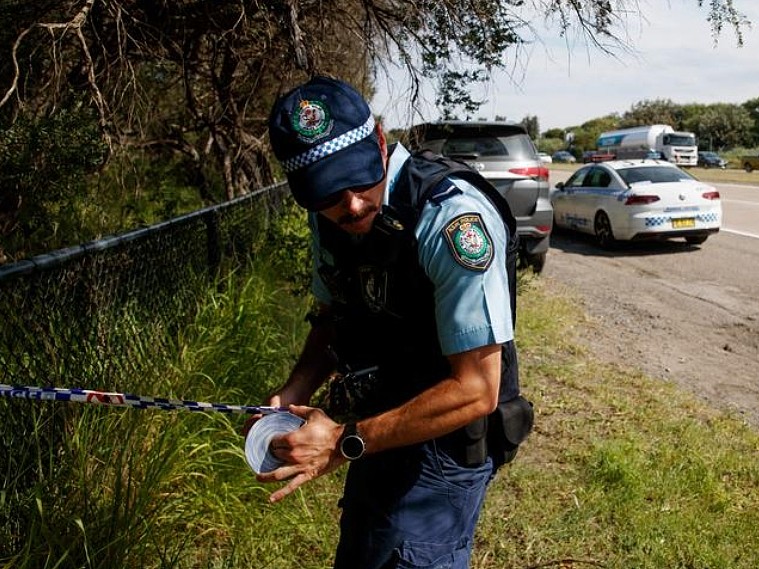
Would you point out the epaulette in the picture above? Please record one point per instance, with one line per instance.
(443, 191)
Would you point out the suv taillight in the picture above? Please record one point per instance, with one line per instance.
(710, 195)
(537, 172)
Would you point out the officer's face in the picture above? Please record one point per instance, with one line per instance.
(354, 210)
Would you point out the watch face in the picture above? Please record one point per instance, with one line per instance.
(352, 447)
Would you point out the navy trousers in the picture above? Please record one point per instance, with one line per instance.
(410, 508)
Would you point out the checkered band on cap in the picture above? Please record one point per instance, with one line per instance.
(330, 147)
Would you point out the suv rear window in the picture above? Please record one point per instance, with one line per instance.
(653, 174)
(515, 147)
(475, 140)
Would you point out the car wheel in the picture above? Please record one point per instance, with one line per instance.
(747, 167)
(604, 233)
(695, 239)
(536, 260)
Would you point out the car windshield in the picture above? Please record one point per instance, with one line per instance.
(653, 175)
(518, 147)
(679, 139)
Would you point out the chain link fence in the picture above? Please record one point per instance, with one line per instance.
(102, 316)
(72, 313)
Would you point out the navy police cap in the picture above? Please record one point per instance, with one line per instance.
(323, 134)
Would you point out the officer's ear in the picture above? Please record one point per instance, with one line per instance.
(382, 140)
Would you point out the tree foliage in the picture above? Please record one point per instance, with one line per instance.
(658, 111)
(752, 107)
(532, 124)
(197, 77)
(717, 126)
(720, 126)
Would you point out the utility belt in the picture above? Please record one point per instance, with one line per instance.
(353, 395)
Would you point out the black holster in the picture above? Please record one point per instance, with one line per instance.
(498, 435)
(508, 426)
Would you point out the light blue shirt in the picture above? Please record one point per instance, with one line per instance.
(472, 307)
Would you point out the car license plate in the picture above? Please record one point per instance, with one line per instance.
(684, 222)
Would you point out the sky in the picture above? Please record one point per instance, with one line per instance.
(565, 82)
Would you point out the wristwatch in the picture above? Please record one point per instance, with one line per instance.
(352, 446)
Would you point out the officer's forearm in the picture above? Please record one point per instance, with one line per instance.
(315, 364)
(471, 392)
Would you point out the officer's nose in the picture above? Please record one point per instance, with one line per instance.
(352, 201)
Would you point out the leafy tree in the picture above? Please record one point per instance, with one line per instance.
(659, 111)
(752, 106)
(554, 133)
(197, 77)
(587, 134)
(42, 164)
(721, 126)
(531, 123)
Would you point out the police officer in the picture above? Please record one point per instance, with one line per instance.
(411, 279)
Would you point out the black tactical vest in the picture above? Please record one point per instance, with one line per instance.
(383, 300)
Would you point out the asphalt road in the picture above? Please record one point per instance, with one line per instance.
(740, 209)
(689, 314)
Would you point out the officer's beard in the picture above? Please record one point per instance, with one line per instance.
(349, 220)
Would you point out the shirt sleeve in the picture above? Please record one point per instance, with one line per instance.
(472, 305)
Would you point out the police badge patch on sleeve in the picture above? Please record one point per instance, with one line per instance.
(470, 242)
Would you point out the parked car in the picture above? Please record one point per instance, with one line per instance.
(637, 199)
(711, 160)
(545, 158)
(505, 155)
(750, 163)
(563, 156)
(596, 156)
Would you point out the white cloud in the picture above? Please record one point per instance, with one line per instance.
(565, 82)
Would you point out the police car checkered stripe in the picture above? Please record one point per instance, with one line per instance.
(330, 147)
(703, 217)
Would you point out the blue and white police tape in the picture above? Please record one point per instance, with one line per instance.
(116, 399)
(275, 420)
(258, 440)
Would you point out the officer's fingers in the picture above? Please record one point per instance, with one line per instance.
(283, 472)
(303, 411)
(289, 488)
(249, 423)
(281, 449)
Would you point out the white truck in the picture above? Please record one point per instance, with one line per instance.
(658, 140)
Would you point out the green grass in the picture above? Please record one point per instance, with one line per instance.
(621, 470)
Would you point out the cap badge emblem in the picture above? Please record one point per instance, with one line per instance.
(312, 120)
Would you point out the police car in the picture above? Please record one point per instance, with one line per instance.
(637, 199)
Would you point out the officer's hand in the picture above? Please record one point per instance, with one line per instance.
(275, 400)
(308, 452)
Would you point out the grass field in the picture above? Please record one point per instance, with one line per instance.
(621, 471)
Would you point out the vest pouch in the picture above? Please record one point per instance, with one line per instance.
(467, 445)
(508, 426)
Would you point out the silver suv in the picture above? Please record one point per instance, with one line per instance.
(505, 155)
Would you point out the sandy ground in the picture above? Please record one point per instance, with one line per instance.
(677, 312)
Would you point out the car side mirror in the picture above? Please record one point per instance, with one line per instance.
(559, 186)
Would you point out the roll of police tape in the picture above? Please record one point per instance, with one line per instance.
(258, 440)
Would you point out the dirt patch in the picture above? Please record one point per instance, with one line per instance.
(677, 312)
